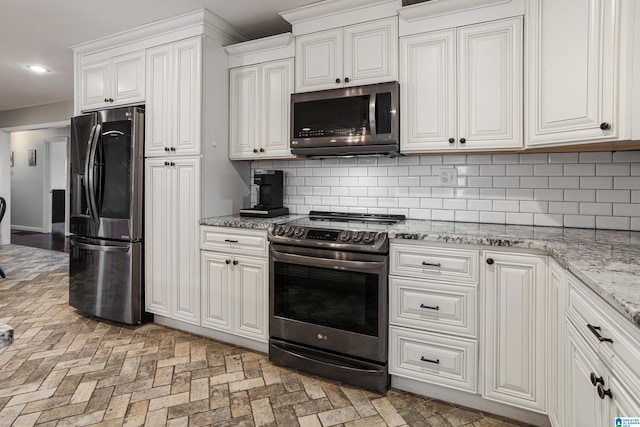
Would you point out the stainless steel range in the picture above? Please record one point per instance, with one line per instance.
(328, 309)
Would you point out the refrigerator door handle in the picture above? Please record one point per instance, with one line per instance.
(89, 173)
(100, 248)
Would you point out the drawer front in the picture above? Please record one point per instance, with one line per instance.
(436, 359)
(592, 317)
(234, 240)
(436, 307)
(442, 264)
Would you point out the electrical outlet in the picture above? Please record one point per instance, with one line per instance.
(448, 177)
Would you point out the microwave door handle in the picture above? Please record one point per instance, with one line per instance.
(90, 184)
(372, 113)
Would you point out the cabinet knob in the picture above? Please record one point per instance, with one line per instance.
(452, 140)
(490, 261)
(605, 126)
(462, 140)
(346, 79)
(603, 393)
(106, 100)
(337, 80)
(166, 148)
(173, 149)
(235, 262)
(262, 150)
(173, 164)
(255, 150)
(166, 163)
(596, 380)
(110, 99)
(227, 261)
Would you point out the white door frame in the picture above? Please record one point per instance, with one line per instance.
(48, 191)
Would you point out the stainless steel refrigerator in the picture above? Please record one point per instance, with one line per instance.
(106, 214)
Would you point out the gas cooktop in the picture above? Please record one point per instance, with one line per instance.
(337, 230)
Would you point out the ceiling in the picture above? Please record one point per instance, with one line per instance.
(41, 31)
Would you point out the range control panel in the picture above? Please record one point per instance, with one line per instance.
(343, 236)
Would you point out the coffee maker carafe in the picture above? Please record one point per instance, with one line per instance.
(270, 194)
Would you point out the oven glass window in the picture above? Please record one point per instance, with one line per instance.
(337, 299)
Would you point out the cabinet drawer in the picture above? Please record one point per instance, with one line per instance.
(443, 264)
(450, 362)
(433, 306)
(592, 315)
(234, 240)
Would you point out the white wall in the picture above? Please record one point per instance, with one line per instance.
(60, 111)
(28, 182)
(583, 190)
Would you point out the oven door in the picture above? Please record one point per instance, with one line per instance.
(331, 300)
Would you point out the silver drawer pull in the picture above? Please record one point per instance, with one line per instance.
(431, 264)
(437, 361)
(595, 330)
(437, 307)
(230, 241)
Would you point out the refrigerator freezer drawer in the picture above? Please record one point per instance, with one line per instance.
(106, 279)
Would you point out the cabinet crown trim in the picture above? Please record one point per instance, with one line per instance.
(202, 21)
(260, 46)
(433, 8)
(327, 8)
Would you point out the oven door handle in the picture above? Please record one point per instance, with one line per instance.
(360, 371)
(326, 262)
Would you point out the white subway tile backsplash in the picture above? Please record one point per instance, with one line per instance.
(583, 190)
(596, 157)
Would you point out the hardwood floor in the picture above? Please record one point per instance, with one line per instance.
(54, 241)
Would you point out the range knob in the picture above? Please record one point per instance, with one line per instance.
(345, 236)
(280, 230)
(288, 231)
(369, 237)
(357, 237)
(299, 232)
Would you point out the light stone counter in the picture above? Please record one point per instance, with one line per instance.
(237, 221)
(606, 261)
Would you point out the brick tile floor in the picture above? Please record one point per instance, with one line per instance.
(65, 369)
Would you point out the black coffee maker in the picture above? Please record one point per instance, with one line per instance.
(270, 188)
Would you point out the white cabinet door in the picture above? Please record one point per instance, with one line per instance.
(186, 257)
(556, 291)
(574, 55)
(158, 238)
(319, 61)
(128, 78)
(490, 85)
(172, 262)
(514, 329)
(250, 286)
(276, 90)
(188, 91)
(349, 56)
(174, 85)
(217, 301)
(244, 113)
(428, 92)
(159, 101)
(371, 52)
(461, 89)
(95, 87)
(584, 407)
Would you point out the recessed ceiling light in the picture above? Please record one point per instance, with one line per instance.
(38, 69)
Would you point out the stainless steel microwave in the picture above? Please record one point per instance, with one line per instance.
(349, 121)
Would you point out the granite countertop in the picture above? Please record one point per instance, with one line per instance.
(237, 221)
(607, 261)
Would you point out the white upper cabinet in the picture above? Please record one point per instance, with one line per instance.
(578, 63)
(174, 102)
(353, 55)
(112, 82)
(461, 88)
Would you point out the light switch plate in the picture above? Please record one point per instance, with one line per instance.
(448, 177)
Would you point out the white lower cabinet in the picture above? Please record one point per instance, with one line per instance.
(514, 329)
(433, 315)
(172, 200)
(235, 282)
